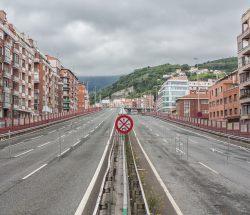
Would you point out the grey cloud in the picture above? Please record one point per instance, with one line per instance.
(96, 37)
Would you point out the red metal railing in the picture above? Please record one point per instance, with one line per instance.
(231, 128)
(15, 124)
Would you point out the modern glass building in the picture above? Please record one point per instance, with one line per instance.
(170, 91)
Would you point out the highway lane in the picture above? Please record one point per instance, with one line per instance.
(14, 171)
(211, 177)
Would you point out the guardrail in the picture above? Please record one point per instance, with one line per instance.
(16, 126)
(235, 130)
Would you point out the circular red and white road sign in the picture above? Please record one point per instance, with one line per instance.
(124, 124)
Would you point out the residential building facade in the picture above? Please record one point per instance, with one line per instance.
(170, 91)
(81, 96)
(224, 99)
(244, 67)
(17, 71)
(190, 105)
(70, 90)
(45, 85)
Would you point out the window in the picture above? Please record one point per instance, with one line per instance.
(29, 67)
(1, 51)
(218, 113)
(225, 100)
(23, 88)
(213, 114)
(230, 99)
(221, 101)
(217, 102)
(16, 58)
(221, 113)
(235, 98)
(23, 63)
(235, 110)
(225, 112)
(230, 112)
(7, 53)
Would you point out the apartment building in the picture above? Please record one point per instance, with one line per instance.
(243, 41)
(70, 90)
(224, 102)
(171, 90)
(200, 86)
(17, 71)
(81, 96)
(46, 79)
(56, 65)
(193, 105)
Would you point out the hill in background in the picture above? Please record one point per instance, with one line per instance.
(146, 80)
(99, 81)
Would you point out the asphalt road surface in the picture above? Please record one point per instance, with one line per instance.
(205, 175)
(37, 180)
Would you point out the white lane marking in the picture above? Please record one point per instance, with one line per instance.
(208, 168)
(23, 153)
(216, 150)
(211, 138)
(169, 196)
(33, 138)
(157, 135)
(180, 151)
(63, 135)
(51, 132)
(77, 143)
(89, 190)
(34, 171)
(86, 135)
(43, 144)
(92, 130)
(64, 152)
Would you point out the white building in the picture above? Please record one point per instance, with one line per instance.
(170, 91)
(200, 86)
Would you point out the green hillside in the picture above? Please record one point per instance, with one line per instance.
(226, 64)
(146, 79)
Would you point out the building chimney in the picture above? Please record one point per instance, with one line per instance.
(3, 16)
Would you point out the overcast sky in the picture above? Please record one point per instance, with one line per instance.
(108, 37)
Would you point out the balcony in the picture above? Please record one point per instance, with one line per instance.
(16, 78)
(245, 34)
(245, 82)
(246, 50)
(65, 107)
(6, 74)
(16, 65)
(36, 78)
(6, 105)
(6, 89)
(66, 101)
(7, 60)
(244, 64)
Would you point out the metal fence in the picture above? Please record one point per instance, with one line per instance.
(15, 124)
(231, 128)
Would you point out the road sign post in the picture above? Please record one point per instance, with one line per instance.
(124, 124)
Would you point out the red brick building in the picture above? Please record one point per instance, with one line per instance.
(190, 105)
(224, 102)
(81, 96)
